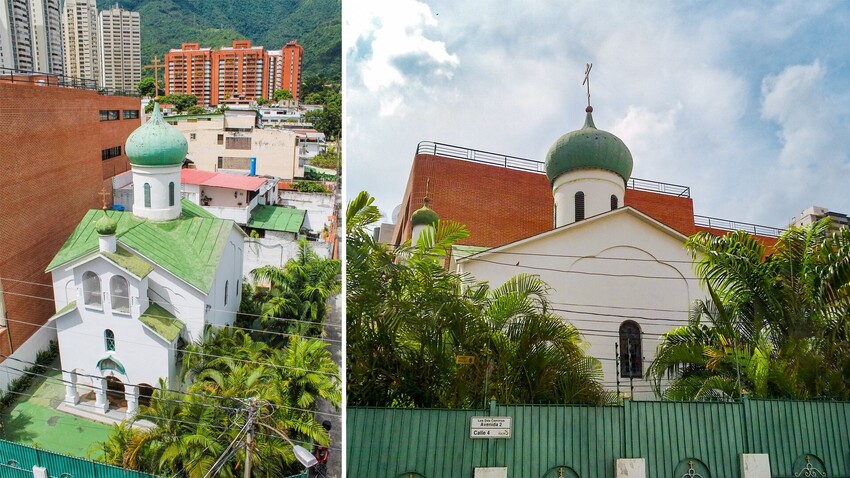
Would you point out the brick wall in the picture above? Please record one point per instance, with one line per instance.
(51, 172)
(500, 205)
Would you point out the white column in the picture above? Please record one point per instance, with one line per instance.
(131, 393)
(630, 468)
(755, 465)
(71, 395)
(100, 403)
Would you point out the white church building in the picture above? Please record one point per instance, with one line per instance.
(619, 276)
(132, 288)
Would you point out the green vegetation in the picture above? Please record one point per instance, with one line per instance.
(282, 94)
(309, 187)
(408, 319)
(776, 325)
(147, 87)
(328, 120)
(326, 160)
(261, 101)
(316, 24)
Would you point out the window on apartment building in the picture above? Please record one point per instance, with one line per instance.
(119, 291)
(108, 115)
(631, 354)
(220, 139)
(192, 136)
(131, 114)
(109, 153)
(237, 143)
(228, 162)
(91, 289)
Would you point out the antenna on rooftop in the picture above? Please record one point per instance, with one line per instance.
(587, 81)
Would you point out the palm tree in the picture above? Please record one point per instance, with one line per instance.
(408, 319)
(775, 323)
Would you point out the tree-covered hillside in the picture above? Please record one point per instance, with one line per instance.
(316, 24)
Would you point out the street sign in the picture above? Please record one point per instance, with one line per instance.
(490, 427)
(465, 359)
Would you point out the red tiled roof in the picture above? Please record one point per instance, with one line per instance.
(221, 180)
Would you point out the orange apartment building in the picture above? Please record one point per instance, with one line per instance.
(501, 199)
(239, 71)
(59, 149)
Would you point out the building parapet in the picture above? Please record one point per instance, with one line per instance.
(534, 166)
(12, 75)
(727, 225)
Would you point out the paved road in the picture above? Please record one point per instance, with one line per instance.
(333, 335)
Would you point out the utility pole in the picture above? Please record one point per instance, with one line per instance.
(249, 440)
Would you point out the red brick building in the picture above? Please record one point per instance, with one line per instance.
(502, 198)
(238, 71)
(59, 148)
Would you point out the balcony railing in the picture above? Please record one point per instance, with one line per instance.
(531, 165)
(728, 225)
(11, 75)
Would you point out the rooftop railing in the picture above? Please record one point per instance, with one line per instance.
(533, 166)
(728, 225)
(11, 75)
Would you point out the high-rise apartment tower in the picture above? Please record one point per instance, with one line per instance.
(82, 60)
(120, 49)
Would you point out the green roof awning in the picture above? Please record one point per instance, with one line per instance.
(110, 363)
(129, 261)
(64, 310)
(162, 322)
(462, 252)
(277, 218)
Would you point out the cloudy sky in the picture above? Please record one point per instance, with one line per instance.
(748, 103)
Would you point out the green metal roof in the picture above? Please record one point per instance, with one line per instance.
(189, 247)
(461, 251)
(276, 218)
(64, 310)
(588, 148)
(133, 263)
(156, 143)
(191, 209)
(162, 322)
(104, 360)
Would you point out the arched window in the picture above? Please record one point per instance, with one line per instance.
(91, 289)
(119, 290)
(147, 195)
(225, 292)
(171, 194)
(579, 206)
(614, 202)
(109, 340)
(631, 353)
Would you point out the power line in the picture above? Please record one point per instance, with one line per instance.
(563, 271)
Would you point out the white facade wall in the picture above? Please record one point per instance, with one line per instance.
(224, 306)
(145, 356)
(319, 207)
(604, 271)
(275, 252)
(274, 149)
(25, 352)
(597, 185)
(159, 180)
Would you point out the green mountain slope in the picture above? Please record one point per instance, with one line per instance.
(316, 24)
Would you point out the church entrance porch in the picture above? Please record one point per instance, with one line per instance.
(115, 394)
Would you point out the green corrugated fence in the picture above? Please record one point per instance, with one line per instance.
(17, 461)
(584, 441)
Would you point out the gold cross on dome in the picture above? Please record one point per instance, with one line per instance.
(587, 80)
(103, 194)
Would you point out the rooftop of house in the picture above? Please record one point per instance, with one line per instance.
(221, 180)
(189, 247)
(276, 218)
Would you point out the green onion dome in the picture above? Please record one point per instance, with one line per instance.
(156, 143)
(424, 216)
(588, 148)
(105, 226)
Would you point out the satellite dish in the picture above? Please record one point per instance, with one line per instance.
(394, 215)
